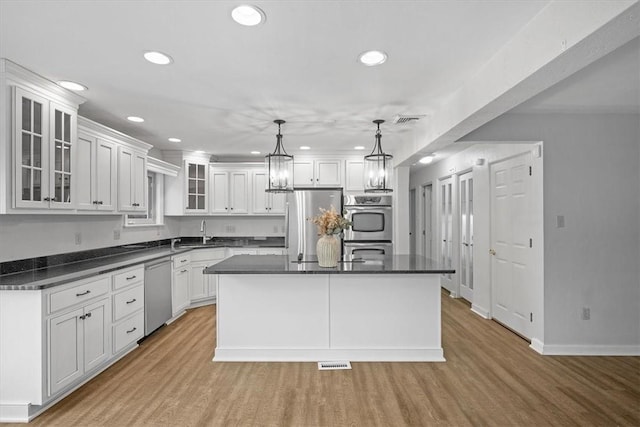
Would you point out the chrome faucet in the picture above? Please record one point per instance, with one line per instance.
(173, 244)
(203, 230)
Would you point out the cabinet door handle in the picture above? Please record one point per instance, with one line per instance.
(82, 317)
(88, 314)
(132, 330)
(131, 277)
(184, 271)
(132, 301)
(100, 202)
(184, 260)
(95, 202)
(49, 199)
(231, 208)
(83, 293)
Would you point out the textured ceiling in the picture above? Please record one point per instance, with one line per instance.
(228, 83)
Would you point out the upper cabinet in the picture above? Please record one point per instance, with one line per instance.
(354, 176)
(132, 180)
(197, 182)
(317, 173)
(44, 145)
(264, 203)
(97, 179)
(52, 160)
(230, 191)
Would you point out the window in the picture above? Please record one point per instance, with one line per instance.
(153, 215)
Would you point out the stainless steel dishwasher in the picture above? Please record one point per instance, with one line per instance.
(157, 294)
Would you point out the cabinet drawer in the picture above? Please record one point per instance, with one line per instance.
(127, 302)
(181, 260)
(77, 294)
(128, 331)
(128, 277)
(208, 254)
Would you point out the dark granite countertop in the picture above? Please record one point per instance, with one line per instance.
(45, 272)
(282, 264)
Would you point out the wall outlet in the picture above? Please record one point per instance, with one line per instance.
(116, 234)
(275, 229)
(586, 313)
(78, 238)
(560, 221)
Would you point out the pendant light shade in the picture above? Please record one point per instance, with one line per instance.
(279, 165)
(378, 167)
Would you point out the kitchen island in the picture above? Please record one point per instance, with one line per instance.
(271, 308)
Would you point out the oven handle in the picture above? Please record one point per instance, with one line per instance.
(371, 243)
(367, 208)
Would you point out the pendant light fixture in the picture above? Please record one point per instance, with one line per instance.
(378, 167)
(279, 165)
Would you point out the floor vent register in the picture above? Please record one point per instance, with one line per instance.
(331, 366)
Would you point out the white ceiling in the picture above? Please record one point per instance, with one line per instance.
(228, 82)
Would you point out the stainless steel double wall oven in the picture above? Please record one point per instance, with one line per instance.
(371, 233)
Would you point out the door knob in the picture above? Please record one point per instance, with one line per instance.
(492, 252)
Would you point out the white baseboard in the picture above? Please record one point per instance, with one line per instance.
(584, 350)
(202, 303)
(480, 311)
(14, 413)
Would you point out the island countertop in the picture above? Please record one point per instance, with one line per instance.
(282, 264)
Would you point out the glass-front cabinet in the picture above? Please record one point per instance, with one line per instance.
(197, 182)
(45, 134)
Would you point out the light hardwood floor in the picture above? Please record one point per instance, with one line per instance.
(490, 378)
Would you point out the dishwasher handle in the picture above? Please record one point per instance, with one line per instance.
(156, 264)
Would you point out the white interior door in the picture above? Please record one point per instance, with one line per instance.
(466, 236)
(446, 232)
(511, 242)
(427, 230)
(412, 221)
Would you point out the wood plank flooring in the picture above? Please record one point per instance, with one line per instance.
(490, 378)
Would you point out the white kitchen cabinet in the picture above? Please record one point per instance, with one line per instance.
(197, 186)
(264, 203)
(132, 180)
(230, 192)
(203, 286)
(272, 251)
(180, 287)
(127, 307)
(45, 154)
(317, 173)
(96, 168)
(354, 176)
(199, 285)
(78, 342)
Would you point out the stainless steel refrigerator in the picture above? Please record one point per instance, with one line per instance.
(301, 235)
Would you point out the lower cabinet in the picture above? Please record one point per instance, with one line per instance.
(128, 308)
(203, 286)
(180, 289)
(78, 343)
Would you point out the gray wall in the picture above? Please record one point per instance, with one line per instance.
(592, 178)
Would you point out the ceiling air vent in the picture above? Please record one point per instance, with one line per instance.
(407, 118)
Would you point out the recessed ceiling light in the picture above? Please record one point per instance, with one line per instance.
(427, 159)
(372, 57)
(175, 140)
(135, 119)
(359, 147)
(67, 84)
(158, 58)
(248, 15)
(305, 147)
(199, 152)
(255, 152)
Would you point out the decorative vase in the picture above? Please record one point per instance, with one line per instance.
(328, 250)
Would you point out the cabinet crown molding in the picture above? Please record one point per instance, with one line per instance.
(102, 131)
(16, 75)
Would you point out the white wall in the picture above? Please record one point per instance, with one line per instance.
(226, 226)
(592, 178)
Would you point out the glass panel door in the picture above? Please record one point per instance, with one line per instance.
(466, 236)
(62, 156)
(30, 149)
(196, 187)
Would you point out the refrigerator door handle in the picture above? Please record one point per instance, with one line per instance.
(286, 225)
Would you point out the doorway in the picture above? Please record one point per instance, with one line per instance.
(446, 233)
(412, 222)
(465, 186)
(512, 257)
(427, 215)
